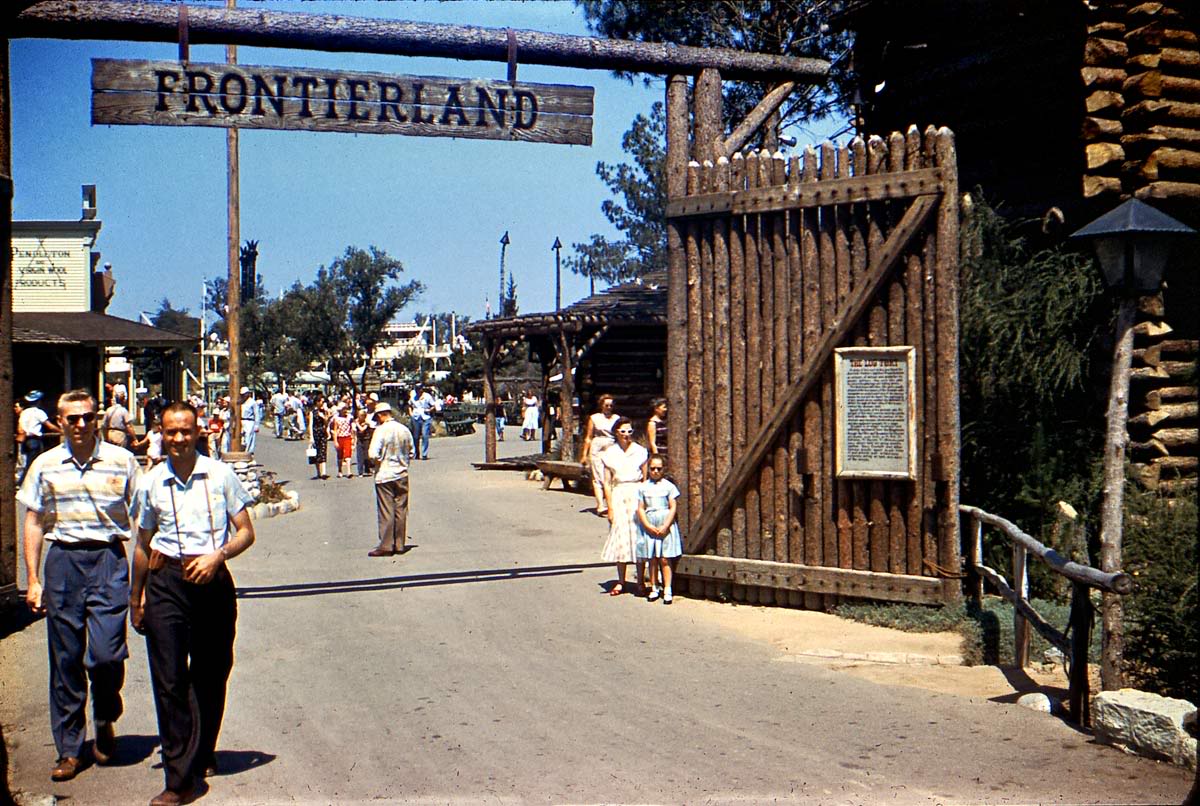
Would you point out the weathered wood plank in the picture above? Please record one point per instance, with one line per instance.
(737, 329)
(766, 269)
(781, 308)
(914, 219)
(124, 109)
(695, 394)
(810, 221)
(814, 579)
(754, 356)
(834, 191)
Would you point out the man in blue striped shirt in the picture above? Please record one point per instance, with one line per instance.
(78, 497)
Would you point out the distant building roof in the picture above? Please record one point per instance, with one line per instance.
(92, 328)
(638, 302)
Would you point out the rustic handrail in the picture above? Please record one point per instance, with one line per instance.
(1083, 577)
(1119, 582)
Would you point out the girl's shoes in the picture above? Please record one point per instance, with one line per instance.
(616, 590)
(654, 594)
(667, 598)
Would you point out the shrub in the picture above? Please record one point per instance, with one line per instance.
(1162, 614)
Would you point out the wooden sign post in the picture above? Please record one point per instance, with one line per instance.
(247, 97)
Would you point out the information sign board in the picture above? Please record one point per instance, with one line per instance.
(876, 412)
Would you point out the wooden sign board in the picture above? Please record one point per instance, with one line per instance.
(875, 394)
(136, 93)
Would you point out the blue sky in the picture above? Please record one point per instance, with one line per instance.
(440, 205)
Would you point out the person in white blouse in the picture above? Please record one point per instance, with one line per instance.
(624, 470)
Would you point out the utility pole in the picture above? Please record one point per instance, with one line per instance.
(557, 247)
(8, 446)
(500, 299)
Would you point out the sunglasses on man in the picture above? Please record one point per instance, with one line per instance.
(76, 419)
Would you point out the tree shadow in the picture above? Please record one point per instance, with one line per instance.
(411, 581)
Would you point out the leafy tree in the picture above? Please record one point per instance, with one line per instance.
(175, 320)
(341, 315)
(641, 219)
(786, 27)
(1029, 320)
(149, 363)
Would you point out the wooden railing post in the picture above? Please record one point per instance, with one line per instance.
(1020, 574)
(1082, 617)
(975, 559)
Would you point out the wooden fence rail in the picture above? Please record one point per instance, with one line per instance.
(1082, 577)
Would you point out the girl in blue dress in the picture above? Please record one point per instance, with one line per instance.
(660, 542)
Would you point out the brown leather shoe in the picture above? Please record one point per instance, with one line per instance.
(105, 745)
(379, 553)
(169, 797)
(65, 769)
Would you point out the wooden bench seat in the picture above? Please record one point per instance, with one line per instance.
(569, 473)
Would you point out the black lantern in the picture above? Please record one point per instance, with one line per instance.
(1133, 242)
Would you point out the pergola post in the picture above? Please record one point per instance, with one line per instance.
(567, 396)
(8, 452)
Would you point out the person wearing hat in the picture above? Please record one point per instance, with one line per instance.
(251, 417)
(390, 451)
(78, 498)
(422, 419)
(36, 425)
(117, 426)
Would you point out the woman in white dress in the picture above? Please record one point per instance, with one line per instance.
(597, 437)
(529, 422)
(624, 471)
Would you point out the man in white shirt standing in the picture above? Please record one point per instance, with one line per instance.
(279, 402)
(192, 520)
(391, 448)
(422, 420)
(78, 497)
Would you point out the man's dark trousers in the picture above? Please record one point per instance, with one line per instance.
(86, 594)
(189, 637)
(391, 509)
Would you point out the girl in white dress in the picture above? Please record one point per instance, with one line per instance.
(624, 471)
(661, 543)
(597, 438)
(529, 421)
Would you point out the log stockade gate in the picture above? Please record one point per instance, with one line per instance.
(773, 264)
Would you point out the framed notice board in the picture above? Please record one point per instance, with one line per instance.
(875, 396)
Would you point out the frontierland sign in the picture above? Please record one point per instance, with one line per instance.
(248, 97)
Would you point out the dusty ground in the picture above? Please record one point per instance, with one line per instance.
(895, 657)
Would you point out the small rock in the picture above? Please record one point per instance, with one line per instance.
(1036, 701)
(535, 475)
(1053, 655)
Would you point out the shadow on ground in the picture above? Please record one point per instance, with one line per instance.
(412, 581)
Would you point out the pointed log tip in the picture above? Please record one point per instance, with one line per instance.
(737, 156)
(912, 129)
(779, 155)
(722, 160)
(708, 163)
(875, 141)
(693, 164)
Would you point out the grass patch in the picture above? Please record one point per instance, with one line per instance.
(987, 632)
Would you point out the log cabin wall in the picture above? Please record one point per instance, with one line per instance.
(628, 363)
(1111, 88)
(778, 251)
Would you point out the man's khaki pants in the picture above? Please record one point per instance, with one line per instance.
(391, 503)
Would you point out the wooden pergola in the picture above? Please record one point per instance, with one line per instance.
(629, 314)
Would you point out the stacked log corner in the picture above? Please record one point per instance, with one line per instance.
(1141, 79)
(1163, 423)
(759, 288)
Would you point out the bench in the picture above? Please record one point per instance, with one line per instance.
(569, 473)
(459, 425)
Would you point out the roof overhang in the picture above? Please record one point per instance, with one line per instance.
(93, 329)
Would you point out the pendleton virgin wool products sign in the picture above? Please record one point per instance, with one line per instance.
(135, 93)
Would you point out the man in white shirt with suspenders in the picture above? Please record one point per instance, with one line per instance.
(183, 597)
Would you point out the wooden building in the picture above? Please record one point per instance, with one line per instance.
(612, 342)
(1061, 110)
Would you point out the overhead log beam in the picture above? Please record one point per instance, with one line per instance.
(154, 22)
(757, 117)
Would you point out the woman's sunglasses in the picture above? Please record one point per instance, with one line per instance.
(75, 419)
(626, 432)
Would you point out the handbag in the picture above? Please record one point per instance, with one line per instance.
(311, 453)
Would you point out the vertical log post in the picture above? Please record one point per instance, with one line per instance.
(489, 399)
(974, 559)
(1112, 511)
(810, 458)
(547, 417)
(737, 328)
(8, 446)
(233, 301)
(1020, 581)
(567, 395)
(947, 363)
(677, 310)
(1081, 637)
